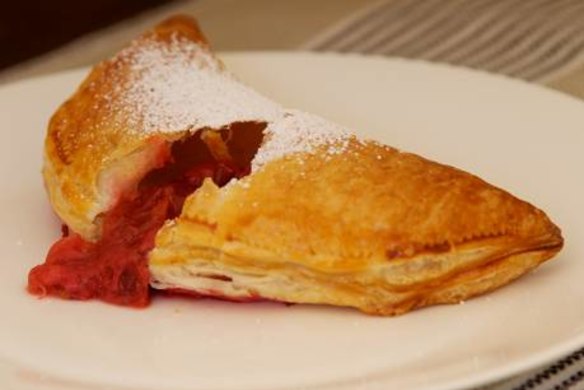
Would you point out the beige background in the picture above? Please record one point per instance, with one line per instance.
(232, 25)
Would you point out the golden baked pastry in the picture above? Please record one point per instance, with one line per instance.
(114, 130)
(280, 204)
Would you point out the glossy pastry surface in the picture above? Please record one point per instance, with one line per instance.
(278, 204)
(371, 227)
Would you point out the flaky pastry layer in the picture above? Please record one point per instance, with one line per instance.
(372, 228)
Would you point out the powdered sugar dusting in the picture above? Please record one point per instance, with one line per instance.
(179, 86)
(299, 132)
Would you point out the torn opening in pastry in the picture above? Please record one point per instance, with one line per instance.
(114, 268)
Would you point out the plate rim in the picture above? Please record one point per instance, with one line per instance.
(484, 376)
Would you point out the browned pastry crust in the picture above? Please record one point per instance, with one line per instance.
(372, 228)
(92, 153)
(340, 221)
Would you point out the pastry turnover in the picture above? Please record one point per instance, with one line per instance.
(167, 171)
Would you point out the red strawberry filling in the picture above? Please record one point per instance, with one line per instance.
(114, 269)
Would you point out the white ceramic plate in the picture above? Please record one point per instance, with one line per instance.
(524, 138)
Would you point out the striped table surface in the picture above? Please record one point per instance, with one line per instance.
(534, 40)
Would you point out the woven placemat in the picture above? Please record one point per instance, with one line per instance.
(535, 40)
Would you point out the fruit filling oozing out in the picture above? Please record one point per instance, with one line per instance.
(115, 268)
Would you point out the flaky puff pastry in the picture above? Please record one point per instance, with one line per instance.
(322, 217)
(371, 228)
